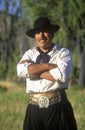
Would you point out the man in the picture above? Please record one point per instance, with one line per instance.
(47, 68)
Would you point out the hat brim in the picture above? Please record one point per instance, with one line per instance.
(32, 32)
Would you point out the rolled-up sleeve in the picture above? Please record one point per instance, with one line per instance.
(22, 66)
(22, 70)
(64, 63)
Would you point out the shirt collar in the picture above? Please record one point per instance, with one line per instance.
(55, 48)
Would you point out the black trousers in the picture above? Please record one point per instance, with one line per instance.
(58, 116)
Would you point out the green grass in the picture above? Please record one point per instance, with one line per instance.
(76, 96)
(13, 107)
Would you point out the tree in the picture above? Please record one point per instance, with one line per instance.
(9, 30)
(7, 38)
(70, 15)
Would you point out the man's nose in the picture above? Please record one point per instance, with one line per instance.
(41, 33)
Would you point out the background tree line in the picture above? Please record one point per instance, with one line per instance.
(69, 14)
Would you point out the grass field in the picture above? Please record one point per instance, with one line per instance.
(14, 100)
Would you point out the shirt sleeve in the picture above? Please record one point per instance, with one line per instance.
(22, 66)
(64, 63)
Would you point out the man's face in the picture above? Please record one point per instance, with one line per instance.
(44, 38)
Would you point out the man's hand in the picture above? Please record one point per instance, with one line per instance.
(47, 75)
(51, 66)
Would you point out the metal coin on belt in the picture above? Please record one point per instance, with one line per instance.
(43, 102)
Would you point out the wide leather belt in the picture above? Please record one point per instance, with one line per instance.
(44, 99)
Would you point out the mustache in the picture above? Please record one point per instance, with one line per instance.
(43, 39)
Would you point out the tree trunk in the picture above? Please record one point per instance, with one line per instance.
(82, 69)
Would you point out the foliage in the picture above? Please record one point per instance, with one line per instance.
(11, 44)
(11, 74)
(8, 34)
(65, 13)
(68, 14)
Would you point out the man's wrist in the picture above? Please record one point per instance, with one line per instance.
(51, 66)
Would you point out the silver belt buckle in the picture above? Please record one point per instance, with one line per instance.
(43, 102)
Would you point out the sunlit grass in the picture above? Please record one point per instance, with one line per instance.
(12, 110)
(76, 96)
(13, 107)
(8, 85)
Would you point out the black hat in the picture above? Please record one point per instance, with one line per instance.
(41, 24)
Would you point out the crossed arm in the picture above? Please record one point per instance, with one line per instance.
(42, 70)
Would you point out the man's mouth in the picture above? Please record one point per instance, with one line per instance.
(43, 39)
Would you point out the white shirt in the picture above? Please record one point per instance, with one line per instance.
(60, 56)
